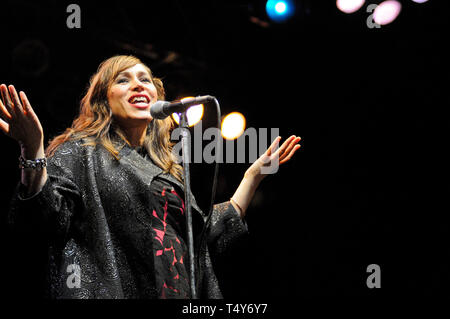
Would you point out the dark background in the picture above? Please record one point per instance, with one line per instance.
(370, 183)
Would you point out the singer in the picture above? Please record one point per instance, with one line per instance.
(107, 194)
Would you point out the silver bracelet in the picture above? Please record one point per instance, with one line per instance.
(36, 164)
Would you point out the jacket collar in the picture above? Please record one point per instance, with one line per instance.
(130, 154)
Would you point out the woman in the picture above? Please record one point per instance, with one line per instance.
(108, 194)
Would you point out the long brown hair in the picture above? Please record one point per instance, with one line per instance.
(96, 125)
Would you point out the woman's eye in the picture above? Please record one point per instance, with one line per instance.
(125, 80)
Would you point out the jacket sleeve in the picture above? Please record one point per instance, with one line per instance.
(50, 211)
(226, 228)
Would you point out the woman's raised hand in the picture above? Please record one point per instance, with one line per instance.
(18, 121)
(269, 162)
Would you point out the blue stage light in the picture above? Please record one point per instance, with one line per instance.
(280, 10)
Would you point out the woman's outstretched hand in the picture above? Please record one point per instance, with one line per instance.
(18, 121)
(269, 162)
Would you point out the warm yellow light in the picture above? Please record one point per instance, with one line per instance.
(194, 114)
(233, 125)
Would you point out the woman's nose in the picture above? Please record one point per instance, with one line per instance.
(137, 86)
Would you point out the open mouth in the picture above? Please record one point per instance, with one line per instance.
(139, 100)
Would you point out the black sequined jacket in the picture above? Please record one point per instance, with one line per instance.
(94, 212)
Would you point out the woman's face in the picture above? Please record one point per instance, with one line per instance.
(130, 96)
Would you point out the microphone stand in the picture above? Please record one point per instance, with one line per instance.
(186, 146)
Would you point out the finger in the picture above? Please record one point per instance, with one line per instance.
(284, 146)
(15, 99)
(4, 112)
(273, 146)
(6, 98)
(290, 147)
(4, 126)
(26, 104)
(287, 158)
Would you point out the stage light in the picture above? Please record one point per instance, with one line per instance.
(280, 7)
(349, 6)
(233, 125)
(280, 10)
(419, 1)
(386, 12)
(194, 114)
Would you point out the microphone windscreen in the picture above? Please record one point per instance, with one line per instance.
(157, 110)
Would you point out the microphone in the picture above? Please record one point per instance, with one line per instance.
(162, 109)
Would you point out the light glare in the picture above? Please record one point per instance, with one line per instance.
(280, 11)
(280, 7)
(386, 12)
(194, 114)
(349, 6)
(233, 125)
